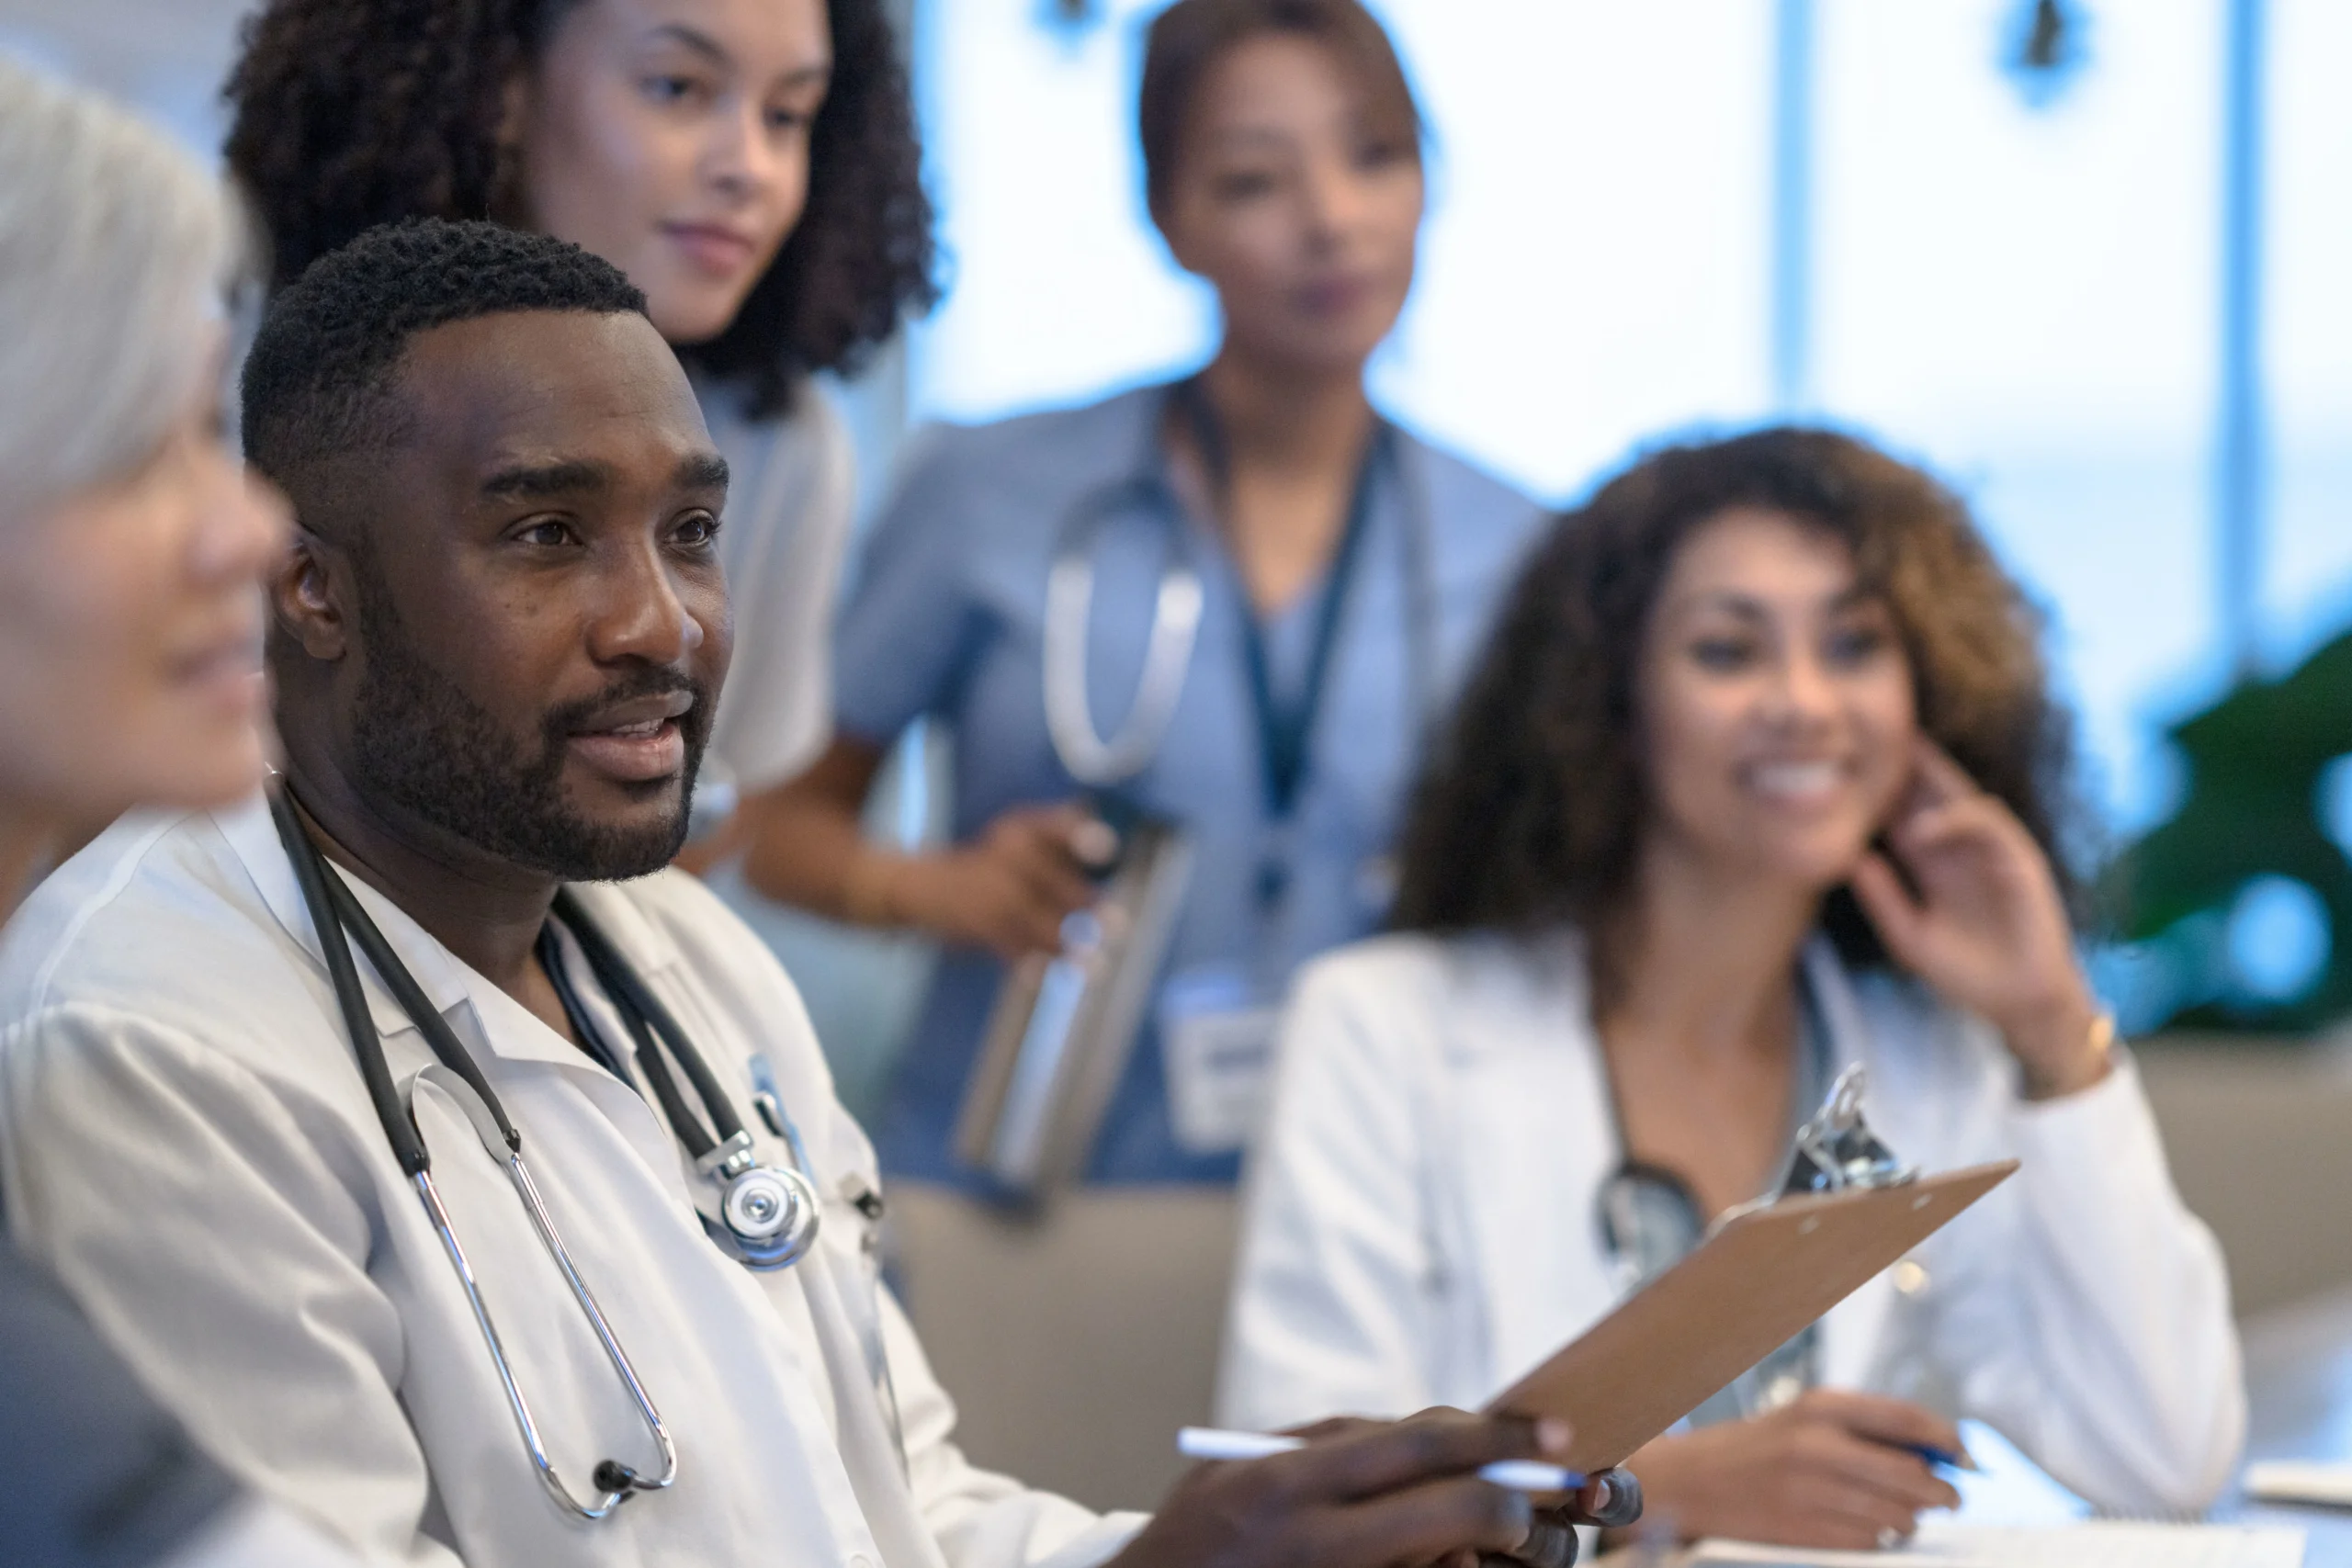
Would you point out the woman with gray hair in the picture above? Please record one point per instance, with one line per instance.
(130, 553)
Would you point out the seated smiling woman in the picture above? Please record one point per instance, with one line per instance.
(1760, 777)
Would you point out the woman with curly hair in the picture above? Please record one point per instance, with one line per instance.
(751, 164)
(1759, 778)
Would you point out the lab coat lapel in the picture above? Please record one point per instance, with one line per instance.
(842, 1308)
(1532, 1133)
(445, 980)
(489, 1022)
(253, 835)
(650, 954)
(647, 948)
(1857, 1327)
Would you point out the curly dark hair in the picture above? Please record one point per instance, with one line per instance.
(318, 381)
(352, 113)
(1529, 814)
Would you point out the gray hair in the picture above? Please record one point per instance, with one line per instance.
(114, 248)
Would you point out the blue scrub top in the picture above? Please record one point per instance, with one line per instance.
(946, 622)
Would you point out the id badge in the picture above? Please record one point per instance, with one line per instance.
(1216, 1042)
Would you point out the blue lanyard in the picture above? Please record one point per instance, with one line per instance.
(1286, 728)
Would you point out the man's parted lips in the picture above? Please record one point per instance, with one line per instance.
(642, 715)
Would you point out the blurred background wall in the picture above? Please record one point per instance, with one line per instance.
(2086, 258)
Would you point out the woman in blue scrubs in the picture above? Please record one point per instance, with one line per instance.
(1346, 566)
(1282, 152)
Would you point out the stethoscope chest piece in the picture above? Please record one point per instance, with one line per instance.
(771, 1214)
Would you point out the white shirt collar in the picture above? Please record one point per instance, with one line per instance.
(448, 982)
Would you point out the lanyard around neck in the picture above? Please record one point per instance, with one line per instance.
(1286, 727)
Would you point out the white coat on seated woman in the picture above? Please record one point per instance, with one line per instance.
(1423, 1228)
(1759, 776)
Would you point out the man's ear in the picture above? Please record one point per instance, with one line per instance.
(308, 595)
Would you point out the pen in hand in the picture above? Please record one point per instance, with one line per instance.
(1937, 1457)
(1518, 1474)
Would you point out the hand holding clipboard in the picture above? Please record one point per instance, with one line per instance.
(1851, 1210)
(1758, 1280)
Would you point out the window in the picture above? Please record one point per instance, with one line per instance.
(2018, 278)
(1599, 211)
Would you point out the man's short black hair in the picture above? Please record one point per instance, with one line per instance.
(319, 380)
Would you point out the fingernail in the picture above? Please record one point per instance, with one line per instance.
(1523, 1512)
(1553, 1435)
(1602, 1494)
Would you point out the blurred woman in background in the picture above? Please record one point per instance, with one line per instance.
(1347, 566)
(1276, 586)
(1759, 778)
(751, 164)
(132, 551)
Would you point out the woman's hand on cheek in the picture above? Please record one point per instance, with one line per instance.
(1982, 922)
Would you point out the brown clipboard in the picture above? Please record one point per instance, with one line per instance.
(1748, 1289)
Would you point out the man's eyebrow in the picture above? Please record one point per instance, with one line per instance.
(543, 482)
(701, 470)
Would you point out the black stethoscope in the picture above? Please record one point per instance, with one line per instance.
(1649, 1219)
(1647, 1215)
(769, 1215)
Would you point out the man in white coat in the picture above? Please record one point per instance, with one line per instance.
(496, 646)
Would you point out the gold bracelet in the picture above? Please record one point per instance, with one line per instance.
(2103, 1037)
(2101, 1040)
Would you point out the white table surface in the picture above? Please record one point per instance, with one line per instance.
(2299, 1385)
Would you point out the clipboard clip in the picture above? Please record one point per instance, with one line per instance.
(1836, 1150)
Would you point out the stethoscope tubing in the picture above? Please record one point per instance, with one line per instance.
(1178, 602)
(336, 910)
(1179, 605)
(645, 1013)
(616, 1483)
(343, 976)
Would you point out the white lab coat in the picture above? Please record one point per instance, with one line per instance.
(1421, 1219)
(184, 1139)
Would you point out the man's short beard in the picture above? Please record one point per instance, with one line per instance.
(421, 744)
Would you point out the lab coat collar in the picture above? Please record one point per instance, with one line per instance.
(1832, 991)
(446, 981)
(1526, 1119)
(1544, 976)
(1533, 1097)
